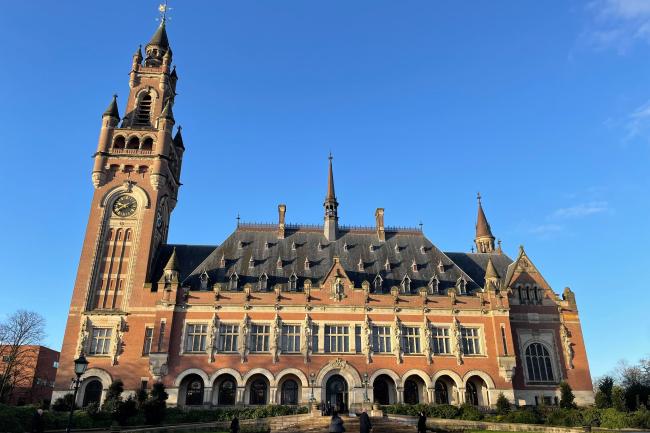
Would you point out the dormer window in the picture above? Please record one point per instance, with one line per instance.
(319, 247)
(441, 266)
(293, 246)
(414, 266)
(371, 247)
(240, 245)
(360, 265)
(205, 280)
(397, 248)
(266, 245)
(307, 264)
(293, 282)
(251, 262)
(222, 262)
(406, 284)
(345, 246)
(234, 281)
(278, 264)
(461, 285)
(434, 285)
(423, 250)
(263, 282)
(387, 265)
(377, 284)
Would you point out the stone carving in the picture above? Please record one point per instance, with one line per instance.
(396, 336)
(338, 292)
(568, 347)
(158, 365)
(456, 341)
(276, 333)
(452, 294)
(338, 363)
(307, 340)
(366, 347)
(116, 346)
(427, 350)
(242, 343)
(212, 337)
(82, 339)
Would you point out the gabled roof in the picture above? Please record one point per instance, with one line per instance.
(475, 264)
(250, 240)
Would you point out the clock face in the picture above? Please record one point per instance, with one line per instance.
(125, 206)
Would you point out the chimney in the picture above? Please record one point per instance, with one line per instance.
(282, 210)
(379, 218)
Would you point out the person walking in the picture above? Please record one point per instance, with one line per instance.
(336, 423)
(422, 422)
(37, 421)
(234, 425)
(364, 422)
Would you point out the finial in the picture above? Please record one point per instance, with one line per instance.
(330, 157)
(472, 248)
(238, 219)
(163, 8)
(499, 248)
(179, 128)
(478, 197)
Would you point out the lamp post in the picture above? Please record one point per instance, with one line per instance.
(80, 366)
(365, 387)
(312, 380)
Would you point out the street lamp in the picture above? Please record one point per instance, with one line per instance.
(80, 366)
(365, 387)
(312, 380)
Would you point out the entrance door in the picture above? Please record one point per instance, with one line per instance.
(194, 392)
(380, 391)
(337, 393)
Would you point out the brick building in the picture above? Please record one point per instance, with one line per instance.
(33, 377)
(286, 313)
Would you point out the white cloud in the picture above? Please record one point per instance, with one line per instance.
(618, 24)
(637, 123)
(581, 210)
(546, 229)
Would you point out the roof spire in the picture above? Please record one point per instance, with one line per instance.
(172, 263)
(484, 240)
(491, 274)
(158, 46)
(331, 206)
(112, 110)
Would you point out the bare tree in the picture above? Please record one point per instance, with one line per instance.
(20, 336)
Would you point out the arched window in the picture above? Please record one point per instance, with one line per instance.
(258, 392)
(406, 284)
(263, 283)
(411, 394)
(293, 282)
(194, 391)
(538, 363)
(471, 394)
(134, 143)
(119, 142)
(143, 116)
(234, 281)
(289, 392)
(442, 395)
(377, 284)
(147, 144)
(227, 390)
(92, 393)
(433, 285)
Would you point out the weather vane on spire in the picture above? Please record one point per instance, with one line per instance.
(163, 9)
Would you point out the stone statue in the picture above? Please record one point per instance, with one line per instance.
(276, 333)
(242, 344)
(337, 289)
(366, 347)
(117, 342)
(306, 348)
(457, 341)
(82, 339)
(568, 347)
(212, 337)
(426, 340)
(397, 339)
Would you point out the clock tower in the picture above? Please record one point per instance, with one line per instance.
(136, 177)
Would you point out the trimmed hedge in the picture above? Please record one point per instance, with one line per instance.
(18, 419)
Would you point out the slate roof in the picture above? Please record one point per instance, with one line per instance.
(401, 248)
(160, 37)
(188, 257)
(474, 264)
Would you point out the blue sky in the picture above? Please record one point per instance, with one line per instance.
(544, 107)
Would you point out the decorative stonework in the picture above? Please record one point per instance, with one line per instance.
(82, 338)
(242, 343)
(212, 337)
(396, 336)
(427, 350)
(569, 353)
(158, 365)
(507, 365)
(306, 347)
(338, 290)
(366, 346)
(456, 341)
(276, 333)
(338, 363)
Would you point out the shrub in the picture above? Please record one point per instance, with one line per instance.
(140, 397)
(641, 418)
(470, 413)
(612, 418)
(603, 398)
(92, 410)
(155, 406)
(564, 417)
(113, 397)
(618, 399)
(125, 410)
(566, 396)
(523, 416)
(446, 411)
(590, 416)
(63, 404)
(503, 405)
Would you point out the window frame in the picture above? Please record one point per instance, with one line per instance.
(190, 335)
(106, 340)
(228, 336)
(341, 338)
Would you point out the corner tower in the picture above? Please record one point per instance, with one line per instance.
(484, 240)
(136, 177)
(330, 227)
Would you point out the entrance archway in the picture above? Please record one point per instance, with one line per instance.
(383, 390)
(192, 387)
(92, 392)
(476, 392)
(258, 391)
(289, 393)
(412, 391)
(337, 393)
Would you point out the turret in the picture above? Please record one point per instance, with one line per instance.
(484, 240)
(330, 228)
(158, 46)
(492, 277)
(110, 119)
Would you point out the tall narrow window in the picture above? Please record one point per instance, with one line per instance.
(148, 339)
(161, 336)
(538, 363)
(143, 116)
(263, 282)
(100, 342)
(377, 284)
(337, 338)
(228, 335)
(196, 337)
(290, 338)
(357, 338)
(504, 340)
(381, 339)
(314, 338)
(470, 341)
(234, 281)
(260, 335)
(406, 284)
(411, 340)
(293, 282)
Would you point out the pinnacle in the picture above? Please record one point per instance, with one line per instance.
(112, 110)
(172, 263)
(490, 270)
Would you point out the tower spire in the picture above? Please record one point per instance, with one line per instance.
(484, 239)
(331, 206)
(158, 46)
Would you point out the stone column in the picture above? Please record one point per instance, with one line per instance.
(207, 395)
(273, 395)
(240, 395)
